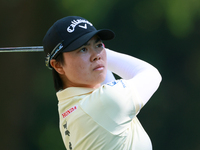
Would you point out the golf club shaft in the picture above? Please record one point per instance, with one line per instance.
(22, 49)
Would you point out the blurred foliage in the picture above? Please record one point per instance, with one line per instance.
(165, 33)
(99, 9)
(181, 15)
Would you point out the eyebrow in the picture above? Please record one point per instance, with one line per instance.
(96, 41)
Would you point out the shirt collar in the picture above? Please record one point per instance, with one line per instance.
(72, 91)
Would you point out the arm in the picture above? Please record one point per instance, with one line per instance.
(141, 74)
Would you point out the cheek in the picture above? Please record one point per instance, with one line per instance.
(104, 56)
(75, 69)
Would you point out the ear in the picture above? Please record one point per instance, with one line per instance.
(57, 66)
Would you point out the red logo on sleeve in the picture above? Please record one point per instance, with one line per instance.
(69, 111)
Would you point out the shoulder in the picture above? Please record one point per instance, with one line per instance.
(121, 94)
(119, 88)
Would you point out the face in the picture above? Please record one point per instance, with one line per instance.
(86, 66)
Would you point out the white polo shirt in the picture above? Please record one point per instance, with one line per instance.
(102, 119)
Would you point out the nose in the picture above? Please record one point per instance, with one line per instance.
(95, 55)
(97, 58)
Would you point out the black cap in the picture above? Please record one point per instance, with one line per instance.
(68, 34)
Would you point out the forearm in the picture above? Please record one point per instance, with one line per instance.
(141, 74)
(124, 65)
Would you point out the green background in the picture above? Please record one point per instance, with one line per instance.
(165, 33)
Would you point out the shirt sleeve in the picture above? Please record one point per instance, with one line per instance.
(122, 100)
(113, 106)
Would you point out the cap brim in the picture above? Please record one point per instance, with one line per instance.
(104, 34)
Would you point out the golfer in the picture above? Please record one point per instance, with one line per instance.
(96, 111)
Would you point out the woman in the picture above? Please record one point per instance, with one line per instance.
(95, 110)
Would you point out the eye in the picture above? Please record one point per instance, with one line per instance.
(100, 45)
(83, 49)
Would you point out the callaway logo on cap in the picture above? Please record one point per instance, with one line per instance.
(68, 34)
(72, 26)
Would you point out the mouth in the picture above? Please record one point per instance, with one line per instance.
(99, 67)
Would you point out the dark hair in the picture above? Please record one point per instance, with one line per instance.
(58, 84)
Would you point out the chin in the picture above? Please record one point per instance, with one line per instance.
(97, 83)
(102, 78)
